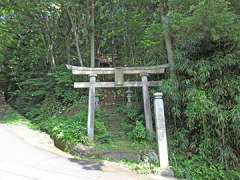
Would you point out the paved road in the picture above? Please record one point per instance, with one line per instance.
(22, 161)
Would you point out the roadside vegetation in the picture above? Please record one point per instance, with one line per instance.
(199, 39)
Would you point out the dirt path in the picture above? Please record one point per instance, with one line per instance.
(113, 122)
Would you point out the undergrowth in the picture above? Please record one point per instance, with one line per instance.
(73, 129)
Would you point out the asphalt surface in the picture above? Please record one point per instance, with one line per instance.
(22, 161)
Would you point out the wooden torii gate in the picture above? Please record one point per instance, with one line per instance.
(119, 73)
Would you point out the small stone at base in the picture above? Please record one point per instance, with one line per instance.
(166, 172)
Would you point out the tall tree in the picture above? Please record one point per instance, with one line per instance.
(76, 35)
(92, 36)
(167, 37)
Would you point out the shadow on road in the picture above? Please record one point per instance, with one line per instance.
(88, 165)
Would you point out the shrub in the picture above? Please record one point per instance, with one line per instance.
(74, 129)
(138, 133)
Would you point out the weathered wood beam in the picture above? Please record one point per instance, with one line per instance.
(125, 70)
(113, 84)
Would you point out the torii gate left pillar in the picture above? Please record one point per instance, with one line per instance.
(91, 108)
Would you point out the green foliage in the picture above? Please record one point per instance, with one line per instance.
(172, 99)
(213, 18)
(52, 107)
(49, 95)
(38, 39)
(62, 85)
(138, 133)
(197, 107)
(73, 129)
(195, 168)
(189, 165)
(11, 117)
(126, 126)
(133, 125)
(205, 102)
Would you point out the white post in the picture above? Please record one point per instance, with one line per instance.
(146, 102)
(161, 132)
(91, 108)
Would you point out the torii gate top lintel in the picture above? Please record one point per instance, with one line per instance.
(119, 73)
(125, 70)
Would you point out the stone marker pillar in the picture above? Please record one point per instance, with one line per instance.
(146, 102)
(91, 108)
(161, 133)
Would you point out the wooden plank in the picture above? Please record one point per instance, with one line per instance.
(113, 84)
(70, 67)
(89, 72)
(159, 70)
(126, 70)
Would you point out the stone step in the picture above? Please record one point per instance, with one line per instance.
(3, 105)
(3, 109)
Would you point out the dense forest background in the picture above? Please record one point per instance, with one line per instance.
(199, 39)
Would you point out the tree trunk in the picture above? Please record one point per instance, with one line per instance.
(74, 28)
(50, 43)
(45, 44)
(78, 49)
(52, 54)
(169, 48)
(92, 38)
(68, 48)
(168, 41)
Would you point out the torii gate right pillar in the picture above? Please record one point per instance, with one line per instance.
(147, 106)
